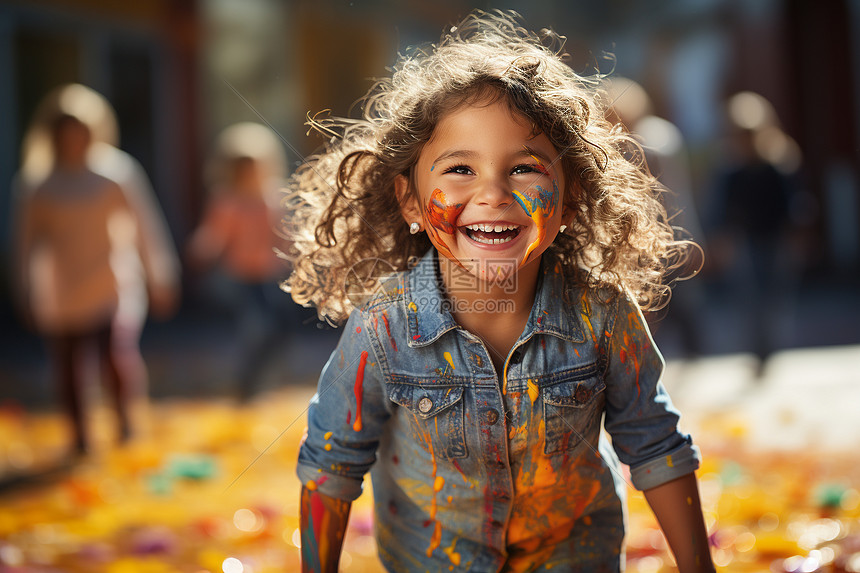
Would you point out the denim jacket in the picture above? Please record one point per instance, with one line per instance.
(476, 470)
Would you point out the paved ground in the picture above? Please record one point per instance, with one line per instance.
(805, 398)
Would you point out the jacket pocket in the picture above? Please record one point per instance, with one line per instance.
(572, 408)
(435, 412)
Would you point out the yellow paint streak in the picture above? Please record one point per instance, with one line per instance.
(438, 483)
(505, 380)
(327, 435)
(533, 390)
(327, 447)
(413, 307)
(669, 462)
(586, 311)
(449, 360)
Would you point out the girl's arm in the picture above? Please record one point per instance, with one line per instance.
(678, 510)
(323, 525)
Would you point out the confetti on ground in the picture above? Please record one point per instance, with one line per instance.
(209, 486)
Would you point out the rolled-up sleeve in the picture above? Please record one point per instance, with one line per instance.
(346, 416)
(640, 416)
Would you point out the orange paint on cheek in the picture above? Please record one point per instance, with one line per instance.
(441, 217)
(540, 209)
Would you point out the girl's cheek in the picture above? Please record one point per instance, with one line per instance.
(540, 204)
(441, 214)
(441, 217)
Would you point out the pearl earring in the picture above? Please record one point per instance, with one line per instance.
(414, 228)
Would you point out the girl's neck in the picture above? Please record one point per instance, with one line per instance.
(496, 312)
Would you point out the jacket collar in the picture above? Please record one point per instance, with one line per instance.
(558, 302)
(555, 310)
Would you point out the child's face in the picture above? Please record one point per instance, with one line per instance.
(490, 191)
(71, 142)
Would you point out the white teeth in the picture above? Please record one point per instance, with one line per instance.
(492, 241)
(490, 228)
(484, 228)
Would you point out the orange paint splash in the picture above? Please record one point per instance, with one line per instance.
(388, 331)
(540, 209)
(441, 217)
(452, 553)
(359, 390)
(438, 484)
(533, 390)
(436, 539)
(449, 360)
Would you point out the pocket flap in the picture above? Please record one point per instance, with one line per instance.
(573, 393)
(425, 402)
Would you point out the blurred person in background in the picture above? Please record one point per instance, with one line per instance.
(665, 153)
(93, 254)
(237, 241)
(752, 219)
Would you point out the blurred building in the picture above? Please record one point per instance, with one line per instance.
(179, 71)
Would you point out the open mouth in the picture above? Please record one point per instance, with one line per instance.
(491, 234)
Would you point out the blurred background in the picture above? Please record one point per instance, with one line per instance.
(749, 111)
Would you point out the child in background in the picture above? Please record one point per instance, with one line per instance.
(237, 238)
(93, 252)
(475, 382)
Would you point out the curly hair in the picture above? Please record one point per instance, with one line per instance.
(342, 204)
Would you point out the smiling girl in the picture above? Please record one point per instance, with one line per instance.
(474, 384)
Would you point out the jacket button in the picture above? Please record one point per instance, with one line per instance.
(425, 404)
(492, 416)
(582, 394)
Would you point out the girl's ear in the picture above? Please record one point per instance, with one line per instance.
(409, 207)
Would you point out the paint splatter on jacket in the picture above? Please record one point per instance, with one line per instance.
(474, 470)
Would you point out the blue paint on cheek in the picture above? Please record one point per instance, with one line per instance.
(546, 201)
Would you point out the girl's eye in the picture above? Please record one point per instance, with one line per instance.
(459, 170)
(525, 168)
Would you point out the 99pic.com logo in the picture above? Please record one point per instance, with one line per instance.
(485, 278)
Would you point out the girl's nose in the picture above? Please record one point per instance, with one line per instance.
(494, 192)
